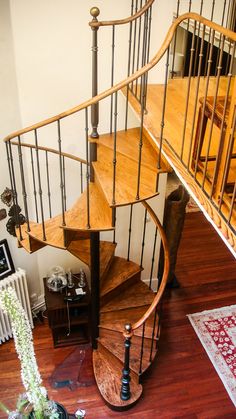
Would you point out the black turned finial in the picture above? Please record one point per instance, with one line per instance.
(125, 380)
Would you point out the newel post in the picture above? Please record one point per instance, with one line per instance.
(125, 380)
(94, 11)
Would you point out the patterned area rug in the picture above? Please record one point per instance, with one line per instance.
(216, 330)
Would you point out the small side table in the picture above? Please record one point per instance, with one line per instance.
(69, 321)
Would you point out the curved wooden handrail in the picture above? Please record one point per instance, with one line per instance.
(159, 294)
(133, 77)
(96, 24)
(51, 150)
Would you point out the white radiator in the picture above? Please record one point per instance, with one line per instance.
(19, 283)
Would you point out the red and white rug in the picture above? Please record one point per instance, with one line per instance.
(216, 330)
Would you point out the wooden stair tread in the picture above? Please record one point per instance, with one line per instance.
(100, 212)
(28, 243)
(107, 372)
(128, 145)
(116, 320)
(53, 231)
(81, 249)
(116, 347)
(137, 295)
(120, 271)
(126, 178)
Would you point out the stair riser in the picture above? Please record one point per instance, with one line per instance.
(120, 288)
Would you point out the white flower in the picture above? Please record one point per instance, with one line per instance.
(36, 393)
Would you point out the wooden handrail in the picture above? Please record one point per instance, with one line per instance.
(159, 294)
(133, 77)
(51, 150)
(129, 19)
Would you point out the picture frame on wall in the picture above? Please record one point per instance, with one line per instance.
(6, 263)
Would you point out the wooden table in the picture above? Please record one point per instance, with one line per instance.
(69, 321)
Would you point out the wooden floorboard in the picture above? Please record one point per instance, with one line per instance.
(183, 383)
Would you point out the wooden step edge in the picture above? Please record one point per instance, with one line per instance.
(167, 167)
(28, 243)
(129, 279)
(108, 371)
(47, 243)
(118, 350)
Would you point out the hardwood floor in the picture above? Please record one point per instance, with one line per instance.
(183, 382)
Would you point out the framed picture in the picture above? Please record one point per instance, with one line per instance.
(6, 264)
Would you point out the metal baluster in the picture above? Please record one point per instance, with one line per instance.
(81, 178)
(148, 53)
(34, 185)
(64, 180)
(48, 185)
(153, 258)
(228, 159)
(232, 204)
(129, 64)
(61, 173)
(220, 40)
(209, 63)
(153, 334)
(130, 230)
(143, 241)
(13, 186)
(163, 113)
(188, 92)
(175, 40)
(197, 43)
(134, 44)
(39, 185)
(114, 223)
(114, 155)
(87, 167)
(140, 141)
(142, 349)
(112, 75)
(144, 52)
(208, 46)
(222, 132)
(213, 113)
(125, 386)
(159, 322)
(187, 31)
(138, 53)
(24, 193)
(197, 92)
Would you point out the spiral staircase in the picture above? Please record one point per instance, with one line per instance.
(119, 169)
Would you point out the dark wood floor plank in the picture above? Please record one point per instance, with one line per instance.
(183, 383)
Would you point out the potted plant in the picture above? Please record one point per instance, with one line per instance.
(34, 403)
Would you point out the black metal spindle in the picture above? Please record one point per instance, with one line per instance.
(114, 223)
(34, 185)
(153, 258)
(125, 381)
(187, 29)
(112, 75)
(188, 92)
(39, 184)
(142, 350)
(219, 68)
(140, 140)
(64, 181)
(222, 132)
(87, 167)
(174, 45)
(209, 37)
(114, 162)
(197, 43)
(138, 49)
(220, 39)
(48, 185)
(209, 63)
(163, 112)
(22, 174)
(144, 53)
(232, 203)
(196, 93)
(81, 178)
(61, 173)
(134, 42)
(143, 240)
(130, 230)
(129, 66)
(13, 186)
(227, 162)
(153, 333)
